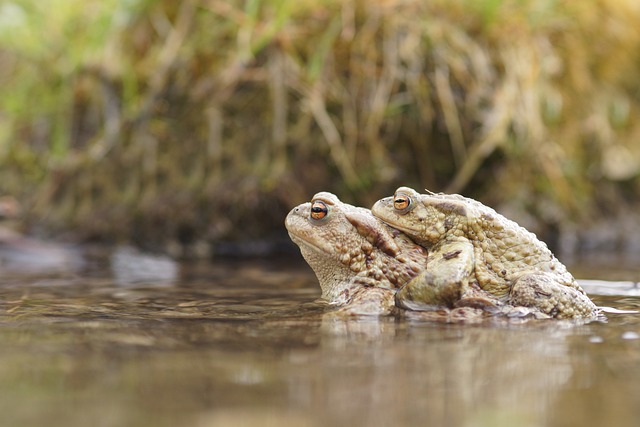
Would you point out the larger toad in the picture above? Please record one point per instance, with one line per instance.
(472, 246)
(360, 262)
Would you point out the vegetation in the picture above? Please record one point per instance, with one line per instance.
(158, 121)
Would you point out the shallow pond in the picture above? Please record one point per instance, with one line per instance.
(136, 341)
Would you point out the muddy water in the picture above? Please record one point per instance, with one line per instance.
(138, 341)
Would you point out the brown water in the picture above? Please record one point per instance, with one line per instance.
(142, 342)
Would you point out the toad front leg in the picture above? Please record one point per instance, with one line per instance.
(445, 279)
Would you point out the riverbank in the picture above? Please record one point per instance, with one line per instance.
(169, 124)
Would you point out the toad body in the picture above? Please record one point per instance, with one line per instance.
(360, 262)
(472, 247)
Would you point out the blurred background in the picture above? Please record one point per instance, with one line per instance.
(193, 127)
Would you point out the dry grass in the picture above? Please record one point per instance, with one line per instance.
(159, 120)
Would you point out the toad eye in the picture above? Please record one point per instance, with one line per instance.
(401, 202)
(318, 210)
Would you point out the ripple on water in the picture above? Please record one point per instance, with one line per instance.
(604, 287)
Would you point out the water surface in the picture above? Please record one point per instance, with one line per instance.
(138, 341)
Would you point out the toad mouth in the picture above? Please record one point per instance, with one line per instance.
(301, 241)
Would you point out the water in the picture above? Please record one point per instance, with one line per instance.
(135, 340)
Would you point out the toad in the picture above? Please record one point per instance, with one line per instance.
(359, 261)
(473, 248)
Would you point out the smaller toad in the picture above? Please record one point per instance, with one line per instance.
(473, 248)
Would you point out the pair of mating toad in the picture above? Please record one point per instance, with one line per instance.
(431, 252)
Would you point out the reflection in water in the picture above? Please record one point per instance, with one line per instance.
(24, 254)
(130, 266)
(447, 374)
(245, 344)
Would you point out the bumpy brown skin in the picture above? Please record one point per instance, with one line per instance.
(360, 262)
(471, 246)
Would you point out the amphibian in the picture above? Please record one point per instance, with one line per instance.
(359, 261)
(472, 247)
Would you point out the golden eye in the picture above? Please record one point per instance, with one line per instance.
(318, 210)
(401, 202)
